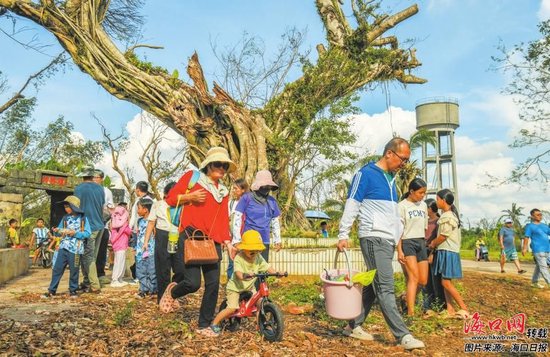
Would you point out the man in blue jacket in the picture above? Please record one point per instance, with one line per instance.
(372, 197)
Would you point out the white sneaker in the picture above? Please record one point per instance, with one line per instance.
(122, 282)
(538, 285)
(117, 284)
(358, 333)
(133, 282)
(408, 342)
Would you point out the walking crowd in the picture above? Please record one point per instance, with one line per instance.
(150, 241)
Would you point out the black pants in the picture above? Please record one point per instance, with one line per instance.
(165, 262)
(192, 282)
(433, 292)
(101, 259)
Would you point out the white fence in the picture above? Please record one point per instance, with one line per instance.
(312, 261)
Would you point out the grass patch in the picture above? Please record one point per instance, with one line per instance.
(124, 316)
(494, 255)
(175, 326)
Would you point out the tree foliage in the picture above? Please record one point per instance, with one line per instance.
(55, 147)
(257, 134)
(528, 64)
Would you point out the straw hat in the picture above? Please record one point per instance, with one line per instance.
(218, 153)
(74, 203)
(263, 178)
(251, 240)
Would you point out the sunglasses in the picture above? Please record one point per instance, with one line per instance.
(219, 164)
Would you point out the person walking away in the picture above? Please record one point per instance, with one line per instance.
(538, 233)
(145, 250)
(239, 188)
(260, 212)
(120, 234)
(506, 237)
(92, 200)
(373, 194)
(103, 236)
(40, 235)
(447, 253)
(411, 249)
(206, 210)
(74, 228)
(433, 293)
(247, 263)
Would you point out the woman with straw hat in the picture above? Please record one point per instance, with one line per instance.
(260, 212)
(206, 209)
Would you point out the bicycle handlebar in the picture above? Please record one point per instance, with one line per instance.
(265, 275)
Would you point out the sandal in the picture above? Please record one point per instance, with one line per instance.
(166, 304)
(502, 271)
(208, 332)
(462, 315)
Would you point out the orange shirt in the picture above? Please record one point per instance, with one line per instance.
(211, 217)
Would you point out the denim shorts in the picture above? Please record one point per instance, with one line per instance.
(415, 247)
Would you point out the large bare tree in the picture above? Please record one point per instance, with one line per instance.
(256, 138)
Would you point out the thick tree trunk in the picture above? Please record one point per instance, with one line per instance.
(255, 140)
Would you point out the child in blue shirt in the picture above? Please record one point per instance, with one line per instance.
(73, 229)
(145, 248)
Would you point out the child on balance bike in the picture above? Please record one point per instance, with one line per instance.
(247, 263)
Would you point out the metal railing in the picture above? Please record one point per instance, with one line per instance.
(312, 261)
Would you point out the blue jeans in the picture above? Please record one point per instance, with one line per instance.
(541, 267)
(145, 272)
(64, 258)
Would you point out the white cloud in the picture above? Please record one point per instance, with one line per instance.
(469, 150)
(476, 157)
(544, 11)
(139, 133)
(374, 131)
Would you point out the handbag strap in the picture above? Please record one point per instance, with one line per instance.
(212, 226)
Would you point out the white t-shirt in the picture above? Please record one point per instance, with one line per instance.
(414, 216)
(159, 212)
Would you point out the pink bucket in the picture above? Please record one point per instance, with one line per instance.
(343, 299)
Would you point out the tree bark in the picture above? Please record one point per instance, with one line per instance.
(255, 139)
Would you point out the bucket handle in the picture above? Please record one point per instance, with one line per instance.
(350, 283)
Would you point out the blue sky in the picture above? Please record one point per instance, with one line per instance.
(455, 40)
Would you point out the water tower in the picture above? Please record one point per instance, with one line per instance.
(439, 115)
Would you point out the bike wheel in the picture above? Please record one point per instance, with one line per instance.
(270, 321)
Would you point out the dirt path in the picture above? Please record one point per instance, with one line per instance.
(115, 322)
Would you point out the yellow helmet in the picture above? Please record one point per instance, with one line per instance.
(251, 240)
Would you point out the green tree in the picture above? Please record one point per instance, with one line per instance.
(528, 64)
(352, 59)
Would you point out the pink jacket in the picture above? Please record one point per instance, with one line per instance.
(119, 237)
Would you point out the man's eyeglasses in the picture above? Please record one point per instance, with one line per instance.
(219, 164)
(404, 160)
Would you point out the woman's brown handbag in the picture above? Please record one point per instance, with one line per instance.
(198, 248)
